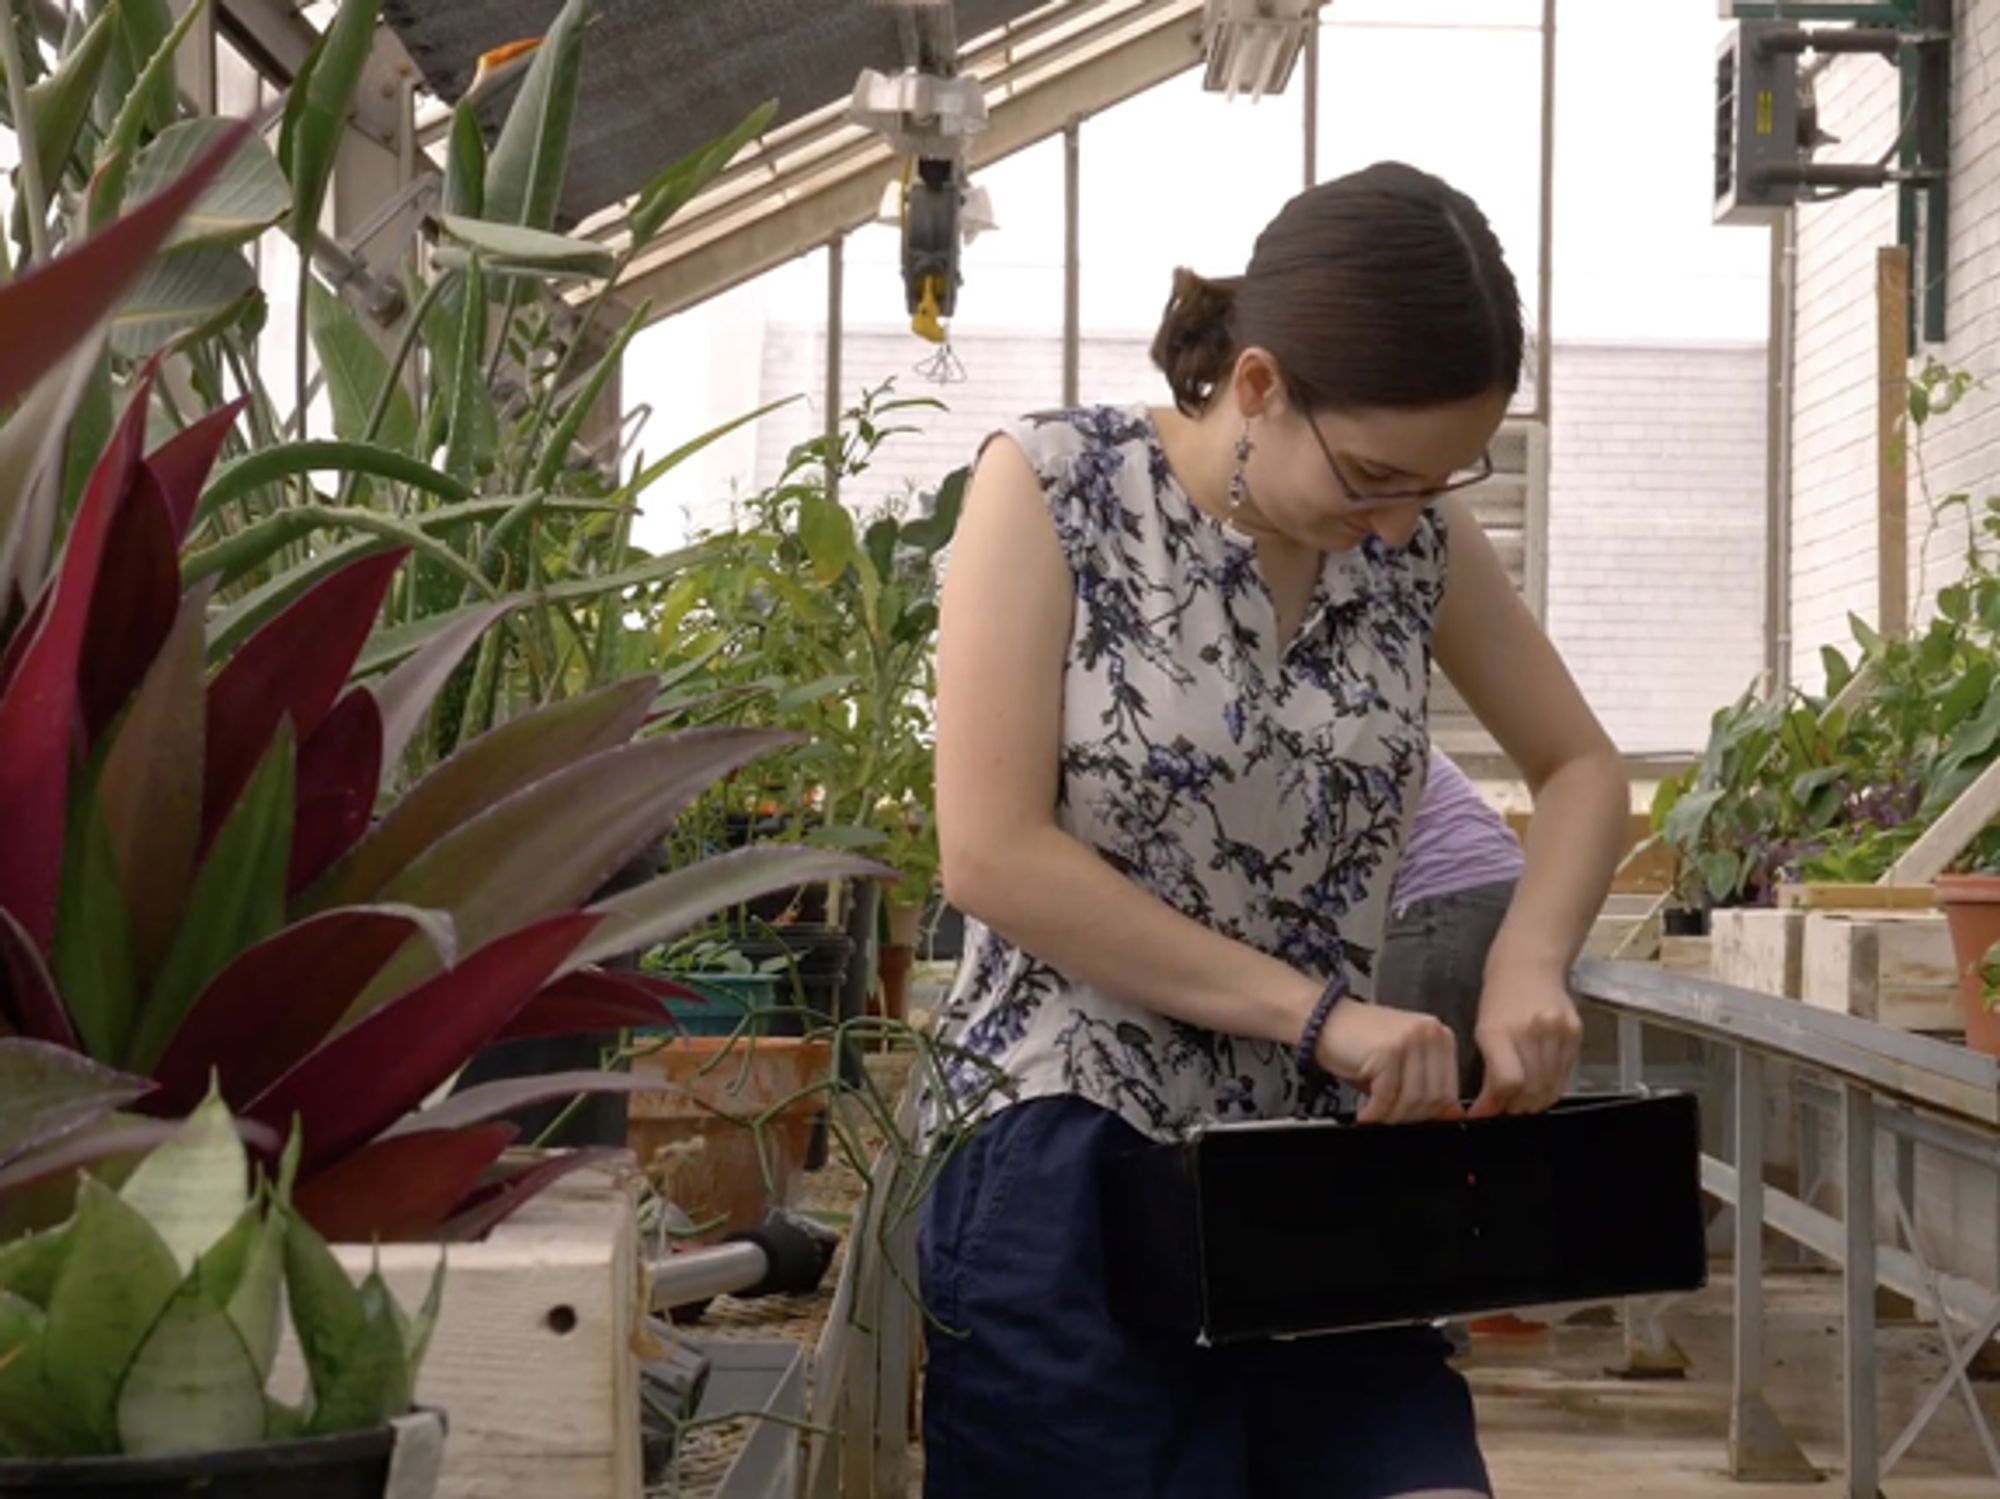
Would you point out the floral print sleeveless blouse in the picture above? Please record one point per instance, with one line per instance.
(1260, 788)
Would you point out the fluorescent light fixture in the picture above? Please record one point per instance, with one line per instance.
(1253, 45)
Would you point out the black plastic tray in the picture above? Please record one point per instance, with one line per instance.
(1296, 1227)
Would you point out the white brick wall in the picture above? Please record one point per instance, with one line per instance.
(1656, 533)
(1833, 563)
(1657, 475)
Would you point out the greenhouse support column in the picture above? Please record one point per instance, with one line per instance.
(1072, 334)
(1312, 104)
(1545, 257)
(836, 292)
(1892, 484)
(1858, 1131)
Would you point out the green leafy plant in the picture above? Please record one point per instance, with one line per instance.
(147, 1322)
(1838, 787)
(201, 875)
(459, 395)
(805, 617)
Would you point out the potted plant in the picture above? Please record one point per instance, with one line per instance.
(1971, 901)
(138, 1336)
(189, 829)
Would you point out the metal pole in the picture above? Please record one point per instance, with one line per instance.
(836, 290)
(1312, 104)
(1545, 257)
(1072, 332)
(1759, 1445)
(1858, 1277)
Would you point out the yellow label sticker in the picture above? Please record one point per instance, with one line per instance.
(1766, 106)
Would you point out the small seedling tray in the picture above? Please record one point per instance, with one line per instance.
(1287, 1228)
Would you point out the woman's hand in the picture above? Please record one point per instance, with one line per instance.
(1406, 1062)
(1528, 1032)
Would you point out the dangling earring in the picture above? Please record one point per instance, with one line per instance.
(1239, 483)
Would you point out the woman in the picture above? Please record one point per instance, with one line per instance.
(1182, 672)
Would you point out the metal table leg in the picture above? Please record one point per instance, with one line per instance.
(1858, 1146)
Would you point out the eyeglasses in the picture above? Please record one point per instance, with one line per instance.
(1464, 478)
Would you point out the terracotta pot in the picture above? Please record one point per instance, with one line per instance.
(894, 968)
(1972, 911)
(708, 1164)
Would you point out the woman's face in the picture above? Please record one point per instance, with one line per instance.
(1330, 479)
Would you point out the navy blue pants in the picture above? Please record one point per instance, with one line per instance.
(1033, 1391)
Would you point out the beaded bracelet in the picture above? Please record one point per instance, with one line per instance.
(1305, 1055)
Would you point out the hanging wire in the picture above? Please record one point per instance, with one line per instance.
(941, 368)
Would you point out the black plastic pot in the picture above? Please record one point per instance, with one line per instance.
(821, 956)
(1682, 921)
(353, 1465)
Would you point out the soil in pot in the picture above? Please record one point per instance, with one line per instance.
(351, 1465)
(1972, 912)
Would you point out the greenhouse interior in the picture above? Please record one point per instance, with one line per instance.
(1151, 749)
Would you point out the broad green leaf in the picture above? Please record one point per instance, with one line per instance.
(89, 433)
(673, 189)
(1954, 603)
(146, 26)
(193, 1386)
(355, 369)
(1689, 815)
(826, 528)
(247, 475)
(534, 248)
(245, 1274)
(555, 453)
(524, 174)
(238, 899)
(1972, 691)
(1721, 870)
(193, 1188)
(1864, 635)
(248, 197)
(60, 103)
(94, 959)
(1838, 672)
(354, 1354)
(316, 110)
(675, 904)
(150, 789)
(140, 108)
(30, 1264)
(49, 1091)
(118, 1279)
(34, 1420)
(178, 291)
(465, 164)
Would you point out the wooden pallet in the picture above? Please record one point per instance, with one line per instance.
(1758, 949)
(1830, 897)
(1893, 968)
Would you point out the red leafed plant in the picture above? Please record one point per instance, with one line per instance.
(200, 878)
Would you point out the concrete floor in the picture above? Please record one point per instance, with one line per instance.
(1554, 1425)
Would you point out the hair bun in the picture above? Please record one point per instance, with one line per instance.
(1196, 344)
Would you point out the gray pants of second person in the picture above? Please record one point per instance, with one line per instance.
(1434, 960)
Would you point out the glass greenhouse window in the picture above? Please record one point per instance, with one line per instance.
(1135, 231)
(701, 368)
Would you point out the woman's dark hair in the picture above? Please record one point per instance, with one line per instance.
(1386, 287)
